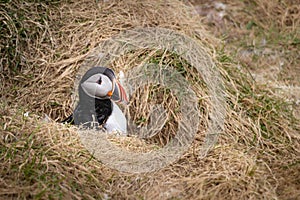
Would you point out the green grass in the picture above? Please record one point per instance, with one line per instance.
(257, 102)
(28, 157)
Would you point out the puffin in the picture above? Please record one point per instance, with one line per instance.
(99, 91)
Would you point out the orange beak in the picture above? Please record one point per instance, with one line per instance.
(123, 95)
(110, 93)
(118, 94)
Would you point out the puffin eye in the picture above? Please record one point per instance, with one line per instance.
(99, 81)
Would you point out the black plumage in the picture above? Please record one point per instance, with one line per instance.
(91, 112)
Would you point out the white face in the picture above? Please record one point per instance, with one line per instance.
(96, 89)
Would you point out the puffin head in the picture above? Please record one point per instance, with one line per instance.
(101, 83)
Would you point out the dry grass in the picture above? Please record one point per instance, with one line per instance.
(263, 36)
(43, 44)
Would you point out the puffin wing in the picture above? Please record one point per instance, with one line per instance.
(86, 117)
(116, 121)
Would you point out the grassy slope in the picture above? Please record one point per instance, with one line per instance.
(257, 156)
